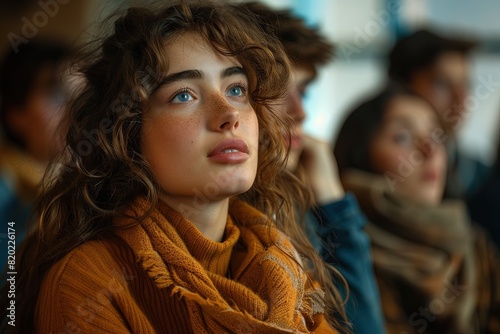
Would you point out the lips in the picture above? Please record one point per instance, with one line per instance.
(431, 176)
(229, 151)
(296, 138)
(295, 142)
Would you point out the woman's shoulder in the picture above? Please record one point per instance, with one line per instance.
(93, 264)
(82, 290)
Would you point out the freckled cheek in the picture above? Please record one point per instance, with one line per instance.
(249, 130)
(253, 129)
(168, 139)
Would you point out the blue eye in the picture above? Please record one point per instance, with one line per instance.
(403, 138)
(236, 90)
(182, 97)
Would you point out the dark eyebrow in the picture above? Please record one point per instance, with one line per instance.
(189, 74)
(196, 74)
(400, 120)
(235, 70)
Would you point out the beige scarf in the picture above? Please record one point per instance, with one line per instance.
(267, 293)
(429, 250)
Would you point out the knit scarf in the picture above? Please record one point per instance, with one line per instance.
(426, 250)
(266, 291)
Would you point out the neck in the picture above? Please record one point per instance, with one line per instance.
(209, 218)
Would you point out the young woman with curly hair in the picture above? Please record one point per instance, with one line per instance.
(170, 210)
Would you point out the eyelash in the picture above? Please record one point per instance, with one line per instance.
(241, 84)
(180, 91)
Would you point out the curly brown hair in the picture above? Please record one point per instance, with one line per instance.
(304, 45)
(102, 170)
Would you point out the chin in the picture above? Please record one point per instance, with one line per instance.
(242, 187)
(436, 199)
(235, 187)
(431, 199)
(228, 193)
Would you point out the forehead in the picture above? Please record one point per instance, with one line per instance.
(411, 111)
(190, 51)
(452, 63)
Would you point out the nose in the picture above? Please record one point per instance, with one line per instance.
(428, 147)
(295, 107)
(428, 153)
(223, 115)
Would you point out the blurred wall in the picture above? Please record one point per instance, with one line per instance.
(72, 21)
(61, 19)
(364, 31)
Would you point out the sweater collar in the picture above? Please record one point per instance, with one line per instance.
(268, 296)
(213, 256)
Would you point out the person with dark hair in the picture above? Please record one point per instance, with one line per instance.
(437, 273)
(436, 67)
(176, 214)
(31, 107)
(335, 222)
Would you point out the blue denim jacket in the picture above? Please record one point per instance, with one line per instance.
(336, 231)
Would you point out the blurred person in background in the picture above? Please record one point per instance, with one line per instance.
(437, 68)
(31, 108)
(336, 222)
(437, 273)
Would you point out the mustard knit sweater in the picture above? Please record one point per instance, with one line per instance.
(164, 276)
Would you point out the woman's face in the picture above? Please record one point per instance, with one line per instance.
(293, 105)
(200, 134)
(408, 150)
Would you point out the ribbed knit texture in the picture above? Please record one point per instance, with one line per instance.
(164, 276)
